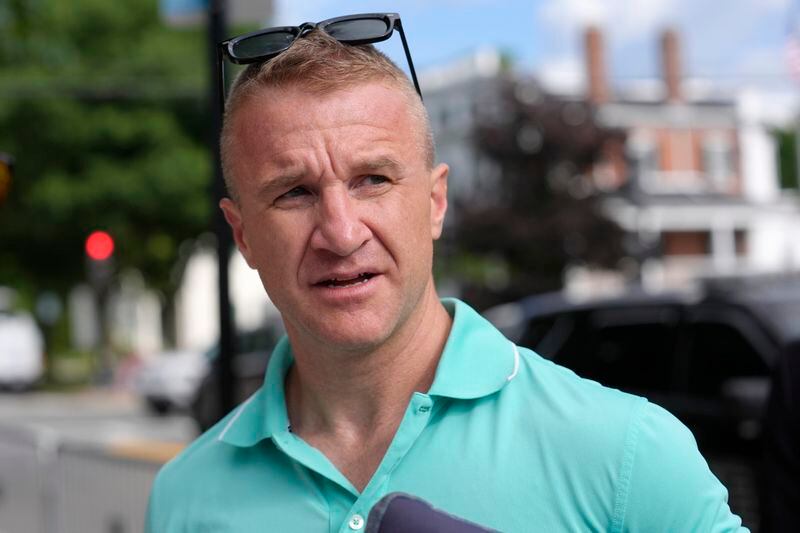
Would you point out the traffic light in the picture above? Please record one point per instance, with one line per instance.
(6, 173)
(99, 245)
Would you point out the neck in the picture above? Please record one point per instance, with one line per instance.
(348, 394)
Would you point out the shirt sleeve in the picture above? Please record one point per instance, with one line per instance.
(666, 484)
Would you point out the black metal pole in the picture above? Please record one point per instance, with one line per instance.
(227, 340)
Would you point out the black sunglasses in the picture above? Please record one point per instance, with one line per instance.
(263, 45)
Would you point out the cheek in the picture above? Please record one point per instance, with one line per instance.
(418, 218)
(406, 226)
(276, 245)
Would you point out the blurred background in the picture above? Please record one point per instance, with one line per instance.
(623, 199)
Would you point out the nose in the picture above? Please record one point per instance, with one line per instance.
(339, 228)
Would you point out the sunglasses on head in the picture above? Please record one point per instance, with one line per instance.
(366, 28)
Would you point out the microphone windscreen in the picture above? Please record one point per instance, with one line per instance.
(398, 512)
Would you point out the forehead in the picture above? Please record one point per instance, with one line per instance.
(274, 124)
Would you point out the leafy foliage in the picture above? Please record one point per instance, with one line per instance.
(545, 214)
(787, 158)
(104, 109)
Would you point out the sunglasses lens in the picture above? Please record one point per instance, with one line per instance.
(261, 45)
(358, 29)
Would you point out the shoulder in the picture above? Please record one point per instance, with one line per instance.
(668, 478)
(182, 483)
(661, 481)
(583, 402)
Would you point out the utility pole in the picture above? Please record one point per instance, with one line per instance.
(227, 338)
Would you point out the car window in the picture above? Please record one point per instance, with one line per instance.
(720, 352)
(781, 315)
(546, 335)
(631, 349)
(632, 357)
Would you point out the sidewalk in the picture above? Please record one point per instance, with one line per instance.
(95, 416)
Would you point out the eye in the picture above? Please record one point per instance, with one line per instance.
(374, 179)
(297, 192)
(295, 197)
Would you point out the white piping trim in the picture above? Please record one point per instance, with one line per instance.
(516, 363)
(235, 418)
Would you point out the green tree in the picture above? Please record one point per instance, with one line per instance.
(104, 109)
(545, 214)
(787, 158)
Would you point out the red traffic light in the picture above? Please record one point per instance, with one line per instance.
(99, 245)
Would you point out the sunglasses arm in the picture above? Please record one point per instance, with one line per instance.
(399, 27)
(221, 78)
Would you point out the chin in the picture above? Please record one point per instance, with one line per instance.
(348, 332)
(352, 340)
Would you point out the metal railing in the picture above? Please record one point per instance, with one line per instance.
(48, 485)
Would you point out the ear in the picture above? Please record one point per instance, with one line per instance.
(233, 215)
(438, 198)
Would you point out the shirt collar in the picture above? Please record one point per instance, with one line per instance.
(264, 413)
(477, 360)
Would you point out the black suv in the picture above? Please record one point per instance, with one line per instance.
(253, 350)
(705, 356)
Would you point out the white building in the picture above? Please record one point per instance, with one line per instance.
(699, 185)
(695, 183)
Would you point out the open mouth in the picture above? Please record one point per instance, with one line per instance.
(335, 283)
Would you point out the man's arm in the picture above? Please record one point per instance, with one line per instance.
(670, 487)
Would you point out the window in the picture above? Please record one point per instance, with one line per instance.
(644, 156)
(740, 239)
(718, 162)
(686, 243)
(720, 352)
(547, 335)
(631, 349)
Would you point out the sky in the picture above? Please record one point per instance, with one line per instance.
(733, 42)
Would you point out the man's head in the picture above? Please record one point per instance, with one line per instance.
(320, 64)
(338, 198)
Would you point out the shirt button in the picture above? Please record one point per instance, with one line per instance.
(356, 522)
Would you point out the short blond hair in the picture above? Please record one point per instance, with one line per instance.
(320, 64)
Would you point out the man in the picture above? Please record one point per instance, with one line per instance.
(380, 386)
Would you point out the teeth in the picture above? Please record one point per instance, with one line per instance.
(336, 282)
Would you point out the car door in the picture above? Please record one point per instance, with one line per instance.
(629, 347)
(726, 378)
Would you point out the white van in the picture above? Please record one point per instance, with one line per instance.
(21, 350)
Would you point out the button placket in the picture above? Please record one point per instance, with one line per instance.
(413, 423)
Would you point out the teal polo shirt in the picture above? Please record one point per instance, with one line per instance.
(503, 438)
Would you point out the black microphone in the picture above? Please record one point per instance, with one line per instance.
(398, 512)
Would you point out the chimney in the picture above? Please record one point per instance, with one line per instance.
(595, 66)
(671, 64)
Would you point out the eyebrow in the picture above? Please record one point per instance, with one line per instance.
(281, 182)
(379, 163)
(292, 179)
